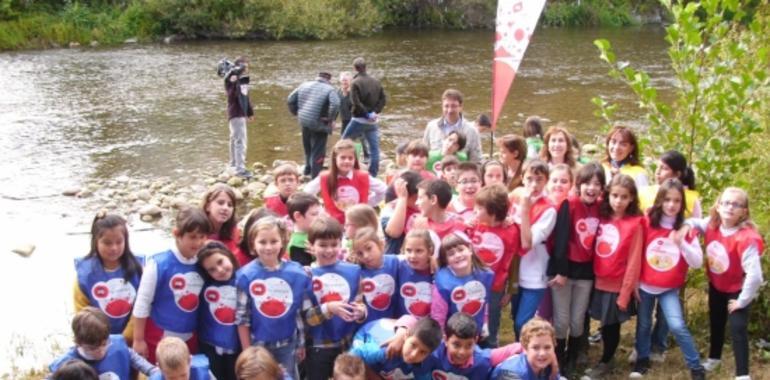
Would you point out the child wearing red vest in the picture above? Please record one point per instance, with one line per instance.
(433, 197)
(733, 247)
(286, 181)
(344, 184)
(664, 271)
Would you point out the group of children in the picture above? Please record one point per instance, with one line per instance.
(326, 286)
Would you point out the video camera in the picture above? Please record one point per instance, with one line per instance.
(225, 68)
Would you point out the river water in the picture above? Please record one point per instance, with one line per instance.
(72, 116)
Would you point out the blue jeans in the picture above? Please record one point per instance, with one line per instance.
(286, 357)
(672, 312)
(659, 331)
(371, 133)
(529, 300)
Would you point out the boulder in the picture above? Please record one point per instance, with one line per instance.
(235, 181)
(24, 250)
(74, 44)
(71, 192)
(147, 218)
(266, 179)
(259, 166)
(85, 193)
(168, 189)
(151, 210)
(143, 194)
(238, 195)
(94, 43)
(210, 181)
(223, 177)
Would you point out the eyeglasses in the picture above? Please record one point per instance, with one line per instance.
(467, 181)
(730, 204)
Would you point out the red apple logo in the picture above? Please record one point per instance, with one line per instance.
(317, 285)
(272, 308)
(381, 301)
(225, 315)
(188, 302)
(258, 289)
(487, 256)
(118, 308)
(458, 295)
(472, 307)
(178, 283)
(212, 295)
(408, 291)
(330, 297)
(419, 308)
(101, 291)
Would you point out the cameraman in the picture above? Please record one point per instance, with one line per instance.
(238, 110)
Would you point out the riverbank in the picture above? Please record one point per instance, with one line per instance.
(74, 24)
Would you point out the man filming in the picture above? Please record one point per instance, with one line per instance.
(238, 110)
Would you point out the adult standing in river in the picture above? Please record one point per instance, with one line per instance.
(238, 110)
(367, 99)
(452, 120)
(315, 103)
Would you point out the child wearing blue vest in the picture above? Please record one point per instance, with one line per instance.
(175, 362)
(75, 369)
(108, 355)
(379, 274)
(415, 274)
(217, 332)
(168, 295)
(538, 362)
(335, 306)
(107, 278)
(271, 292)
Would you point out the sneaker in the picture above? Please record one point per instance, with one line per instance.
(244, 174)
(640, 369)
(711, 364)
(596, 338)
(632, 356)
(599, 371)
(698, 374)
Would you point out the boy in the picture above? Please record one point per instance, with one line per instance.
(349, 367)
(468, 184)
(433, 197)
(452, 145)
(303, 209)
(335, 307)
(448, 171)
(106, 354)
(538, 362)
(167, 299)
(497, 245)
(400, 212)
(175, 362)
(416, 157)
(286, 181)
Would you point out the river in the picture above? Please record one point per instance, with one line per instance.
(70, 116)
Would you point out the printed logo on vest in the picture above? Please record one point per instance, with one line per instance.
(441, 375)
(489, 247)
(396, 374)
(222, 302)
(717, 258)
(115, 297)
(378, 290)
(417, 297)
(586, 230)
(346, 196)
(608, 239)
(272, 297)
(662, 254)
(470, 297)
(330, 287)
(186, 287)
(109, 376)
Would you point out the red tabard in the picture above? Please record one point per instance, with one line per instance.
(276, 205)
(663, 264)
(724, 254)
(496, 246)
(349, 192)
(537, 209)
(613, 241)
(584, 221)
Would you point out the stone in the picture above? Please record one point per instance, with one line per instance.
(235, 181)
(573, 121)
(223, 177)
(266, 179)
(71, 192)
(179, 203)
(150, 209)
(156, 185)
(210, 181)
(520, 114)
(111, 205)
(168, 189)
(74, 44)
(130, 41)
(238, 195)
(24, 250)
(85, 193)
(517, 124)
(132, 197)
(94, 43)
(143, 194)
(147, 218)
(259, 166)
(122, 179)
(171, 39)
(278, 163)
(545, 120)
(255, 188)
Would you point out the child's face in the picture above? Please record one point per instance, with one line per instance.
(663, 172)
(286, 184)
(416, 162)
(414, 351)
(449, 144)
(539, 352)
(110, 246)
(468, 184)
(590, 191)
(190, 243)
(369, 254)
(482, 215)
(508, 158)
(425, 203)
(731, 208)
(268, 245)
(220, 209)
(303, 222)
(417, 254)
(218, 266)
(559, 183)
(558, 145)
(672, 202)
(620, 199)
(449, 174)
(96, 352)
(459, 351)
(346, 159)
(326, 251)
(493, 174)
(459, 258)
(618, 148)
(180, 373)
(534, 182)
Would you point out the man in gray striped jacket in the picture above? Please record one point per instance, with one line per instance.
(315, 103)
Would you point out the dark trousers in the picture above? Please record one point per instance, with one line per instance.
(314, 144)
(320, 362)
(610, 340)
(222, 366)
(738, 321)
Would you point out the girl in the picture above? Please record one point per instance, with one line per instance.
(217, 333)
(378, 274)
(559, 184)
(622, 156)
(415, 274)
(533, 133)
(570, 268)
(463, 283)
(617, 261)
(108, 276)
(558, 147)
(270, 296)
(219, 204)
(733, 246)
(245, 247)
(673, 164)
(356, 217)
(512, 150)
(492, 172)
(664, 272)
(345, 184)
(256, 363)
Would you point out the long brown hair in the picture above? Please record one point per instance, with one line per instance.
(545, 155)
(331, 179)
(624, 181)
(628, 135)
(226, 231)
(454, 240)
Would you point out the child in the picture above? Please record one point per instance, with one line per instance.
(303, 210)
(536, 217)
(570, 269)
(538, 362)
(468, 184)
(286, 181)
(496, 245)
(349, 367)
(356, 217)
(415, 277)
(622, 156)
(617, 262)
(345, 184)
(75, 369)
(673, 164)
(733, 247)
(448, 171)
(400, 213)
(462, 284)
(217, 333)
(399, 164)
(256, 363)
(107, 354)
(167, 299)
(379, 274)
(558, 147)
(513, 151)
(451, 146)
(664, 272)
(219, 204)
(533, 133)
(433, 197)
(559, 184)
(109, 275)
(493, 172)
(271, 292)
(482, 123)
(417, 157)
(175, 362)
(335, 307)
(243, 253)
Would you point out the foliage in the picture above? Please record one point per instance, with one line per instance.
(595, 12)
